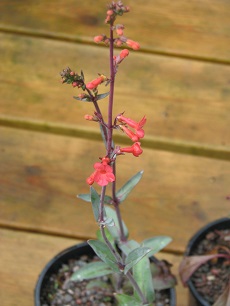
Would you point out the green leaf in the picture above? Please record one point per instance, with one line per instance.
(134, 257)
(86, 197)
(103, 134)
(115, 230)
(127, 188)
(87, 99)
(128, 246)
(102, 96)
(98, 283)
(95, 200)
(156, 243)
(127, 300)
(108, 235)
(104, 253)
(91, 270)
(82, 75)
(142, 275)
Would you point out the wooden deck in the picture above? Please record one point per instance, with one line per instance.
(180, 79)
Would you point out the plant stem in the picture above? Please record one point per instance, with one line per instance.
(137, 288)
(117, 208)
(110, 130)
(113, 251)
(111, 94)
(98, 112)
(101, 207)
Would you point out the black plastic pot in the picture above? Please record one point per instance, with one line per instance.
(62, 258)
(195, 299)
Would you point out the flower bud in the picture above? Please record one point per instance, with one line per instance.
(133, 44)
(124, 53)
(109, 12)
(89, 117)
(99, 38)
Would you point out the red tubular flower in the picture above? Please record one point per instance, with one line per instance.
(129, 133)
(103, 174)
(133, 44)
(135, 149)
(136, 125)
(140, 133)
(93, 84)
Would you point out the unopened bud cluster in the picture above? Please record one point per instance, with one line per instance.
(115, 9)
(70, 77)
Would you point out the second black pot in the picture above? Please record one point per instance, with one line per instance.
(195, 299)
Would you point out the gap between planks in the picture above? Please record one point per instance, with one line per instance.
(26, 229)
(88, 41)
(156, 143)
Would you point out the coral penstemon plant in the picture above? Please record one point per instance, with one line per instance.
(125, 258)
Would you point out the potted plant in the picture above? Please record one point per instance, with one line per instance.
(205, 269)
(123, 271)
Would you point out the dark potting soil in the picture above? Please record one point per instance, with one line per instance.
(63, 292)
(211, 278)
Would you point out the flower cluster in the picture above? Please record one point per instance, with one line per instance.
(71, 77)
(137, 126)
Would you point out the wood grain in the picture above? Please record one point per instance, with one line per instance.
(183, 100)
(41, 175)
(183, 28)
(20, 272)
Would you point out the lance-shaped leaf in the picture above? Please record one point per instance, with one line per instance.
(82, 75)
(190, 264)
(224, 298)
(127, 300)
(128, 246)
(104, 253)
(108, 235)
(134, 257)
(91, 270)
(127, 188)
(86, 99)
(142, 275)
(102, 96)
(95, 200)
(156, 243)
(86, 197)
(115, 230)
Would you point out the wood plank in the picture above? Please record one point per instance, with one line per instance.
(185, 28)
(183, 100)
(33, 252)
(41, 174)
